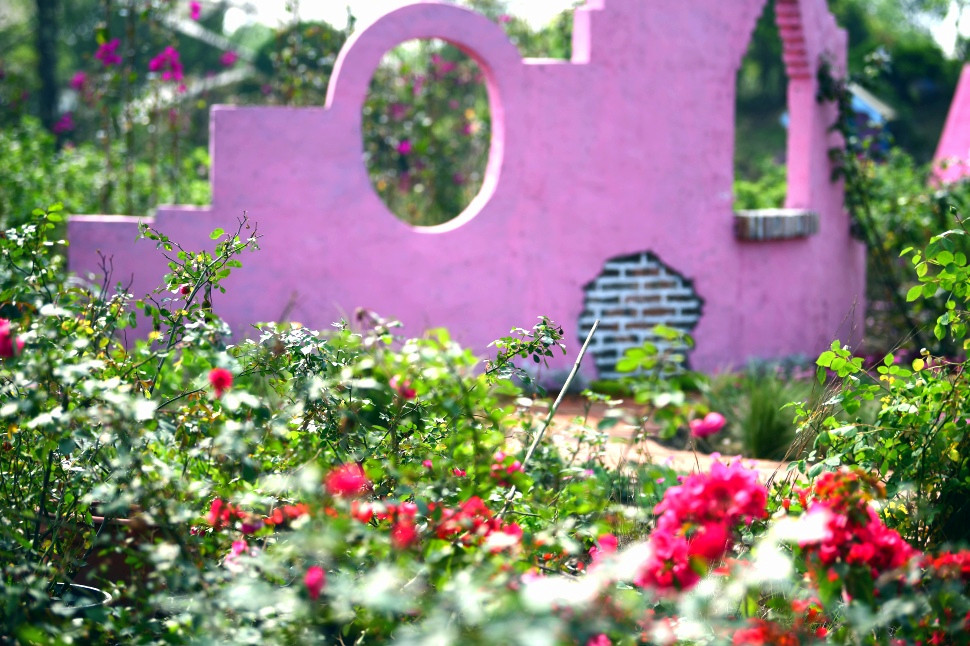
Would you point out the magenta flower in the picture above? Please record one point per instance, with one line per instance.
(708, 425)
(168, 64)
(314, 580)
(64, 124)
(195, 9)
(78, 81)
(229, 58)
(9, 346)
(398, 111)
(108, 53)
(405, 147)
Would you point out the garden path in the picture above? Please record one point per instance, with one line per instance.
(571, 419)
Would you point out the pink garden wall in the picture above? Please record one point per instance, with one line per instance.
(623, 154)
(952, 158)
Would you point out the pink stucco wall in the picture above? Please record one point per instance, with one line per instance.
(952, 158)
(626, 148)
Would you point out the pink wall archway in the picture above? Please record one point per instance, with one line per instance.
(626, 149)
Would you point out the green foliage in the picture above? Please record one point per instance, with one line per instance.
(657, 377)
(756, 403)
(427, 104)
(766, 192)
(32, 170)
(909, 423)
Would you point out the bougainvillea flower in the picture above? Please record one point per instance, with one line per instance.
(405, 147)
(195, 9)
(221, 513)
(64, 124)
(168, 63)
(314, 580)
(229, 58)
(708, 425)
(9, 345)
(695, 524)
(221, 380)
(78, 81)
(347, 480)
(108, 53)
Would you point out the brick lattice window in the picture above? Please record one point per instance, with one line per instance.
(632, 295)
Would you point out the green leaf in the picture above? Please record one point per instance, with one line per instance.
(825, 359)
(914, 292)
(627, 365)
(216, 234)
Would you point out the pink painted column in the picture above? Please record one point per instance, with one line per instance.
(952, 158)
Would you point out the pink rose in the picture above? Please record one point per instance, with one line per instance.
(347, 480)
(314, 580)
(221, 380)
(708, 425)
(9, 345)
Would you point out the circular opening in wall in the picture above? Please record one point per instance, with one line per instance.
(427, 131)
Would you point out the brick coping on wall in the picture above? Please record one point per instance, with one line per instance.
(775, 224)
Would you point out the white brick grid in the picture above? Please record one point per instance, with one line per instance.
(632, 295)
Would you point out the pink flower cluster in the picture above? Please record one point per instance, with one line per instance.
(168, 64)
(78, 81)
(404, 532)
(223, 514)
(503, 467)
(472, 523)
(762, 631)
(403, 388)
(855, 535)
(108, 53)
(605, 544)
(9, 345)
(696, 524)
(347, 481)
(950, 565)
(228, 59)
(64, 124)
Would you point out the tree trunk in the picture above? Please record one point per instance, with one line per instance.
(47, 60)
